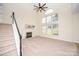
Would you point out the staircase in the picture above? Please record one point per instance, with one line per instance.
(7, 41)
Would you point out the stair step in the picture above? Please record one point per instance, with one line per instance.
(9, 31)
(6, 34)
(10, 53)
(6, 38)
(7, 47)
(7, 41)
(7, 51)
(3, 45)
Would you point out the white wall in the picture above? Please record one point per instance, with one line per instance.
(65, 21)
(75, 22)
(75, 27)
(1, 12)
(68, 23)
(24, 15)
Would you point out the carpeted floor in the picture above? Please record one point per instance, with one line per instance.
(41, 46)
(7, 41)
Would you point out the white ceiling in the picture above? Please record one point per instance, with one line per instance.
(54, 6)
(75, 7)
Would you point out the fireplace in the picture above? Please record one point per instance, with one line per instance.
(28, 34)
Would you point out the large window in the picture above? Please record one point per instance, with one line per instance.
(50, 24)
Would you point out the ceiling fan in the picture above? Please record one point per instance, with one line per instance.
(40, 7)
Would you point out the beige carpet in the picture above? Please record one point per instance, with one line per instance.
(36, 46)
(41, 46)
(7, 41)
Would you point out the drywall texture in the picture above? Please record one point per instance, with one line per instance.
(1, 12)
(24, 13)
(68, 19)
(65, 21)
(75, 27)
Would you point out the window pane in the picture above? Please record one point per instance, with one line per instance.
(50, 25)
(48, 30)
(54, 19)
(44, 29)
(49, 19)
(43, 20)
(54, 29)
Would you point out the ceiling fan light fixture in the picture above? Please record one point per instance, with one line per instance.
(40, 7)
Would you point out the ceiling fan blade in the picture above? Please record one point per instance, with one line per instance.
(43, 9)
(40, 7)
(39, 4)
(35, 6)
(43, 5)
(37, 9)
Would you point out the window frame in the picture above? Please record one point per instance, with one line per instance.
(46, 24)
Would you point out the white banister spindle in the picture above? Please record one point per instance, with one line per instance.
(17, 35)
(16, 38)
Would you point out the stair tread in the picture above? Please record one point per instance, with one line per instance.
(7, 47)
(7, 41)
(7, 50)
(12, 52)
(7, 44)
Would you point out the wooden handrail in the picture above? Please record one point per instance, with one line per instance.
(14, 21)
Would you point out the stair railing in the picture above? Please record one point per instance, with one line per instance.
(17, 35)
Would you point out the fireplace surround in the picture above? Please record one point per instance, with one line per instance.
(28, 34)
